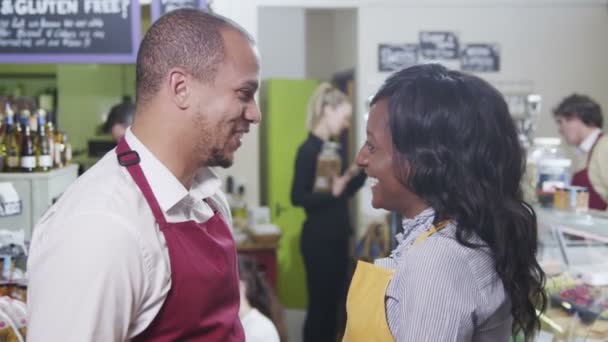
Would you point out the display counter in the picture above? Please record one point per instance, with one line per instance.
(573, 252)
(37, 192)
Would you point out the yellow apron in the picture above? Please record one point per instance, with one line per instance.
(366, 304)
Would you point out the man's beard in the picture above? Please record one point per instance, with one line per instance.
(218, 158)
(209, 144)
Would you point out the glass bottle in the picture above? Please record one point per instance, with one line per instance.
(28, 155)
(44, 162)
(12, 162)
(58, 150)
(50, 136)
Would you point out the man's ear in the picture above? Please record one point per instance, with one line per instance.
(179, 87)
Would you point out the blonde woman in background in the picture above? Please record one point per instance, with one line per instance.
(325, 235)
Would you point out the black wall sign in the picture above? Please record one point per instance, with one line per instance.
(160, 7)
(480, 58)
(439, 45)
(69, 31)
(396, 57)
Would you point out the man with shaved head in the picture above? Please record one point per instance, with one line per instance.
(139, 248)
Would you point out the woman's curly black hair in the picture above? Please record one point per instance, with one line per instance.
(457, 148)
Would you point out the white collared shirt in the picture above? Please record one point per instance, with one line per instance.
(259, 328)
(98, 266)
(587, 144)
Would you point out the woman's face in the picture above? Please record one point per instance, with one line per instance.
(376, 158)
(338, 118)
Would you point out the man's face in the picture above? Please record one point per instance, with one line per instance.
(226, 106)
(570, 128)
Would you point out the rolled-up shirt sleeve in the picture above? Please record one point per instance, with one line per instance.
(86, 280)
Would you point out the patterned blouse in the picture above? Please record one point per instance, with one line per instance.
(442, 290)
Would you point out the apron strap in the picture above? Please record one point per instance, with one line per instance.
(130, 159)
(434, 229)
(592, 147)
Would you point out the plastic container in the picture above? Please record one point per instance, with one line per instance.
(571, 198)
(552, 174)
(547, 168)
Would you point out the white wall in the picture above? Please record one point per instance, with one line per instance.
(282, 42)
(555, 49)
(331, 41)
(345, 38)
(319, 44)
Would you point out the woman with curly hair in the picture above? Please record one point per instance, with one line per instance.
(442, 149)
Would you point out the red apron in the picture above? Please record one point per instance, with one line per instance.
(581, 178)
(203, 302)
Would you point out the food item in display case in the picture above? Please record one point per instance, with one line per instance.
(590, 303)
(13, 320)
(559, 282)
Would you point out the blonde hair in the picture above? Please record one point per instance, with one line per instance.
(324, 95)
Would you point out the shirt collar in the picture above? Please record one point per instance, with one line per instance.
(412, 228)
(588, 142)
(169, 191)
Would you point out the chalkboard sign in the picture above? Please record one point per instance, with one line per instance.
(480, 58)
(438, 45)
(396, 57)
(69, 31)
(161, 7)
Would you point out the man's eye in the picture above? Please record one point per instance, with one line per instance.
(245, 95)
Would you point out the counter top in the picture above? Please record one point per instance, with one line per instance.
(592, 224)
(8, 176)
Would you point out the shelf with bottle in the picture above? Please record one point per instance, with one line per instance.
(28, 139)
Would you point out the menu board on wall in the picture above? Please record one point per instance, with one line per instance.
(160, 7)
(480, 57)
(393, 57)
(69, 31)
(437, 45)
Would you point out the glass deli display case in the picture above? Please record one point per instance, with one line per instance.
(573, 251)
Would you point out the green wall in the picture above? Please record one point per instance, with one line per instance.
(86, 94)
(283, 130)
